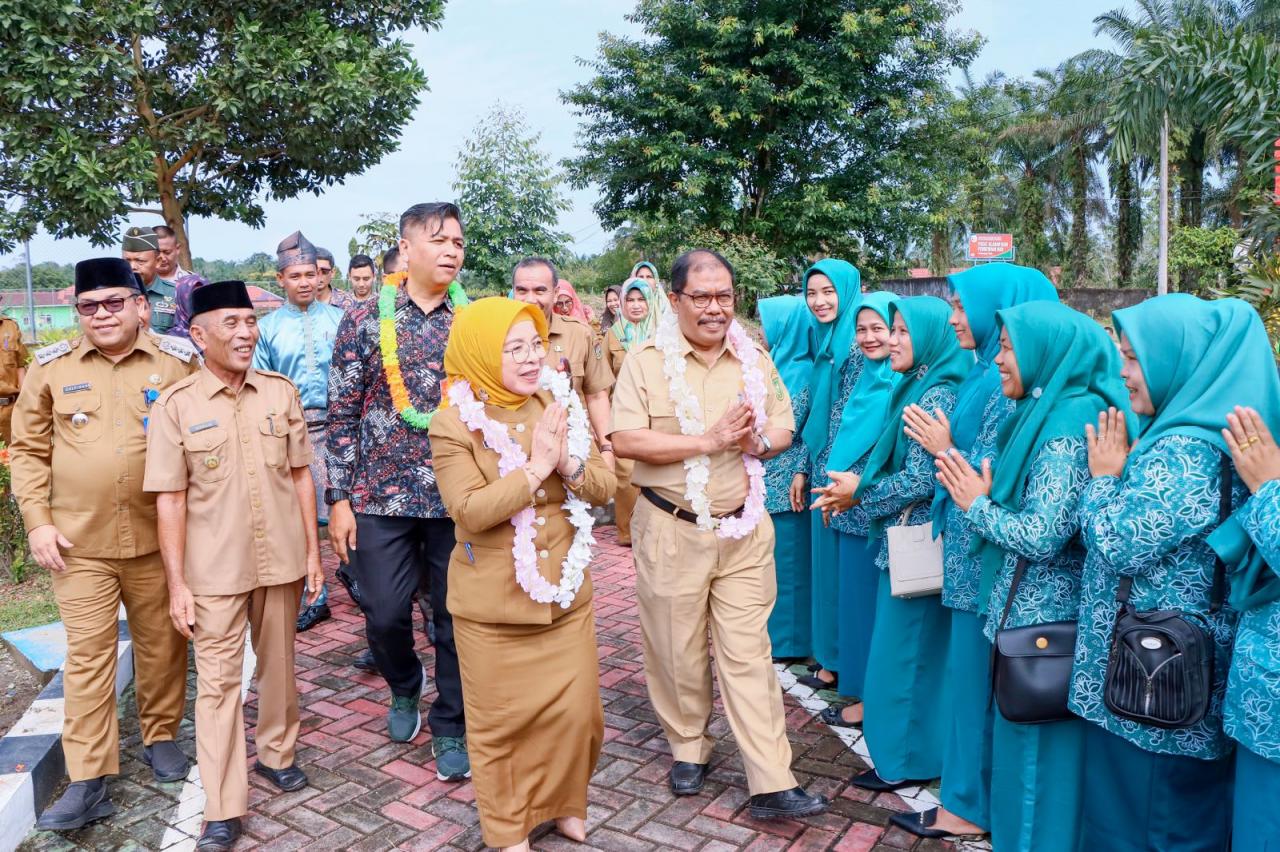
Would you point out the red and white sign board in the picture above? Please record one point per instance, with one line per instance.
(991, 247)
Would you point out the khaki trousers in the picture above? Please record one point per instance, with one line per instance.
(685, 579)
(89, 593)
(624, 500)
(6, 425)
(271, 612)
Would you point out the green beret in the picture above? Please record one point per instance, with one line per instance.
(141, 239)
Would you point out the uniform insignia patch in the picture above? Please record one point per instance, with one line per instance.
(599, 350)
(777, 387)
(177, 347)
(48, 353)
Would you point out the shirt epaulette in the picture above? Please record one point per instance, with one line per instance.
(177, 347)
(184, 382)
(53, 351)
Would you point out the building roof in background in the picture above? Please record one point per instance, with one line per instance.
(44, 298)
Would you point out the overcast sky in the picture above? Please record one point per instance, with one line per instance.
(485, 53)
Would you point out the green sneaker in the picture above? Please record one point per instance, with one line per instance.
(404, 720)
(452, 761)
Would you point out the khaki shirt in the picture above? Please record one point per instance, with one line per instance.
(574, 341)
(13, 357)
(617, 354)
(642, 400)
(233, 453)
(482, 580)
(79, 442)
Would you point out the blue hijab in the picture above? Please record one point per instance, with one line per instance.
(983, 291)
(835, 341)
(862, 419)
(1200, 359)
(789, 330)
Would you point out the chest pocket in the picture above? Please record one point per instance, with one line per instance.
(79, 417)
(273, 434)
(662, 415)
(208, 456)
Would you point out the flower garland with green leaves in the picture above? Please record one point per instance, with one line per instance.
(389, 346)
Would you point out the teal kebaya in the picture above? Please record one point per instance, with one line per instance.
(788, 331)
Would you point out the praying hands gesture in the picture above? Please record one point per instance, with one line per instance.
(735, 427)
(962, 482)
(1108, 444)
(837, 496)
(1253, 449)
(931, 431)
(550, 444)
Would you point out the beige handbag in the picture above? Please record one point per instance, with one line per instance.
(915, 559)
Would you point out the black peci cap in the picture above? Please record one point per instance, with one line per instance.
(220, 294)
(101, 272)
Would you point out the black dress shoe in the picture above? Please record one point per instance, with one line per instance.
(919, 825)
(869, 780)
(83, 802)
(166, 760)
(313, 615)
(288, 779)
(814, 682)
(687, 778)
(786, 804)
(365, 662)
(219, 835)
(834, 716)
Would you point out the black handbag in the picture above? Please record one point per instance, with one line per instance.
(1160, 668)
(1031, 666)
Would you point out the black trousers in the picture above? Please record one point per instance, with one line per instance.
(397, 557)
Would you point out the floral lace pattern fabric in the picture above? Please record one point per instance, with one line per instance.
(1252, 711)
(1152, 525)
(1044, 531)
(782, 468)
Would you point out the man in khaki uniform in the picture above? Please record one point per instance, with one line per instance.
(78, 449)
(13, 369)
(573, 346)
(687, 576)
(229, 454)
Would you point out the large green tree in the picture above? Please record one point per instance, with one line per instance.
(194, 107)
(796, 122)
(510, 195)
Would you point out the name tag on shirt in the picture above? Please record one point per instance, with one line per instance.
(83, 386)
(200, 427)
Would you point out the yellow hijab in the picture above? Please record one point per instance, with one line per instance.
(474, 352)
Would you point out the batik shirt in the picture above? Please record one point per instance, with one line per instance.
(1044, 532)
(1152, 525)
(961, 570)
(299, 344)
(889, 497)
(372, 453)
(782, 468)
(1252, 714)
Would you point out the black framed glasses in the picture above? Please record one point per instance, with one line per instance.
(89, 307)
(703, 300)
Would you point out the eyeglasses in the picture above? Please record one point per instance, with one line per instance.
(703, 300)
(88, 308)
(522, 353)
(324, 270)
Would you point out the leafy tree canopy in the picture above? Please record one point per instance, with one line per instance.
(796, 122)
(194, 107)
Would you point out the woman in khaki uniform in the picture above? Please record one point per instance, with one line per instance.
(637, 316)
(530, 679)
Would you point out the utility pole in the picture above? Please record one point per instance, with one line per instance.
(31, 299)
(1162, 275)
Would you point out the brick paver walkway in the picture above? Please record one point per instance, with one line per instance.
(367, 793)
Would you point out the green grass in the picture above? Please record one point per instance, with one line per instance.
(27, 604)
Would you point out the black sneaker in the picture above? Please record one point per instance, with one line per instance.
(82, 803)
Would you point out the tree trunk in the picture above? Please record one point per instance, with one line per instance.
(1078, 240)
(173, 212)
(939, 254)
(1128, 223)
(1191, 171)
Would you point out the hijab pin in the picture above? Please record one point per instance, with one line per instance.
(482, 395)
(1036, 393)
(924, 368)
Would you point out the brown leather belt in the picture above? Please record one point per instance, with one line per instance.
(672, 509)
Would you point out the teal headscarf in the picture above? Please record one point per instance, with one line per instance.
(938, 361)
(862, 419)
(1200, 359)
(789, 329)
(835, 340)
(631, 334)
(1070, 371)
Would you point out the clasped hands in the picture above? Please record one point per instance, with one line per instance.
(736, 426)
(550, 451)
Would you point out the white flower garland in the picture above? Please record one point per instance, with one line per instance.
(689, 413)
(512, 457)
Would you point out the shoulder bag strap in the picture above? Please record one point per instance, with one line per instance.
(1013, 591)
